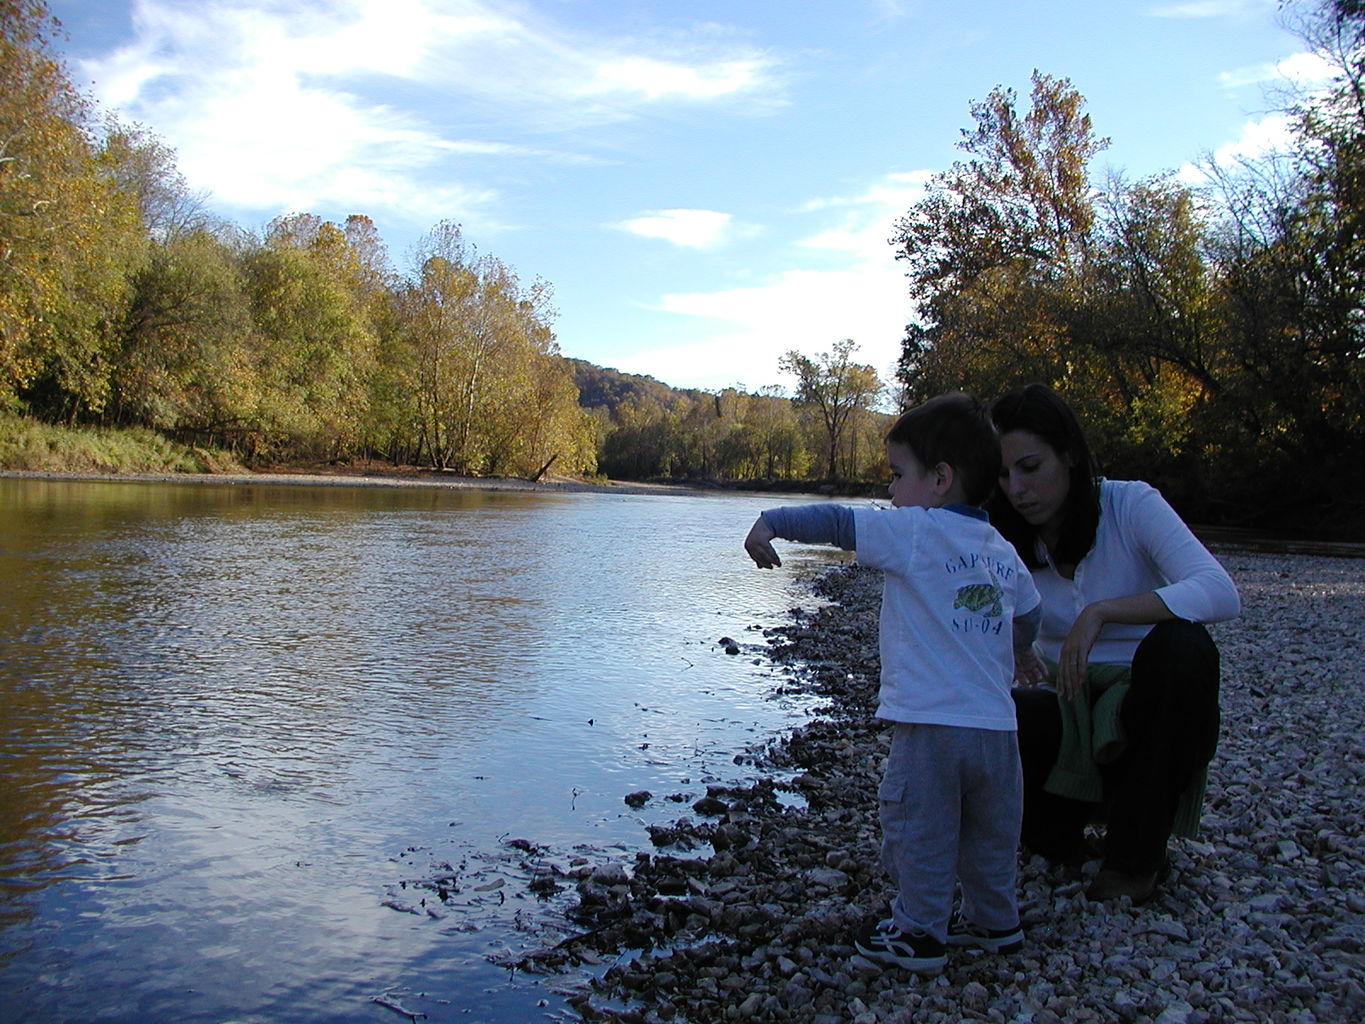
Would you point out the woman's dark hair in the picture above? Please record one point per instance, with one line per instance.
(953, 428)
(1038, 410)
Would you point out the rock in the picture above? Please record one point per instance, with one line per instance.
(639, 799)
(610, 874)
(829, 878)
(1171, 929)
(710, 806)
(1176, 1013)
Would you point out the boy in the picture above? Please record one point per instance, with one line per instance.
(951, 798)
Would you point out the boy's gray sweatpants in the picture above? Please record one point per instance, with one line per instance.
(951, 807)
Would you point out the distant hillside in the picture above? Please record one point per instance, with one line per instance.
(601, 387)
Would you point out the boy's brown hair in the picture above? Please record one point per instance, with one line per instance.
(953, 428)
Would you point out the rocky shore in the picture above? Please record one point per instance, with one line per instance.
(746, 908)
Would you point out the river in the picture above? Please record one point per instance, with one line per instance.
(240, 721)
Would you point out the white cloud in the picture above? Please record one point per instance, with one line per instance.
(694, 229)
(867, 218)
(273, 107)
(656, 79)
(1272, 134)
(1268, 135)
(807, 310)
(861, 295)
(1214, 8)
(1300, 69)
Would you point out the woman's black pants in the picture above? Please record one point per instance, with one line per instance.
(1170, 717)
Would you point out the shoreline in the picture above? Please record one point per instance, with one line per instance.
(1219, 536)
(746, 908)
(352, 479)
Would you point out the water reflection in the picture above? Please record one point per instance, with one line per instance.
(237, 717)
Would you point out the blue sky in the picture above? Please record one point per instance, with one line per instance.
(706, 184)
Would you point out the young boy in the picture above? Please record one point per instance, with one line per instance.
(956, 605)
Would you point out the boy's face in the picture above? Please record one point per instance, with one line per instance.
(911, 484)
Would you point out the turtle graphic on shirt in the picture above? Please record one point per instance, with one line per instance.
(981, 597)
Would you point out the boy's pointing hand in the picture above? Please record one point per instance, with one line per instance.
(759, 545)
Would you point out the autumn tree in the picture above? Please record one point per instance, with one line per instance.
(143, 167)
(1290, 249)
(778, 451)
(1198, 332)
(996, 251)
(315, 345)
(184, 364)
(836, 386)
(489, 392)
(67, 234)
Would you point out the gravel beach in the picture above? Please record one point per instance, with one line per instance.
(747, 906)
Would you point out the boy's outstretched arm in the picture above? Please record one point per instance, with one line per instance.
(822, 523)
(759, 545)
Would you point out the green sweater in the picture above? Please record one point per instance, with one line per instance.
(1092, 735)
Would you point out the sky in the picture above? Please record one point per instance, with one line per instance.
(705, 184)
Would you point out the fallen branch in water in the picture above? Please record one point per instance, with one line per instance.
(389, 1004)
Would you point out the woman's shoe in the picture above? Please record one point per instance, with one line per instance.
(1111, 883)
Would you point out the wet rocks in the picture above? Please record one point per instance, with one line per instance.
(747, 912)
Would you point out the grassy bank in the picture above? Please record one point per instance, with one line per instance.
(27, 445)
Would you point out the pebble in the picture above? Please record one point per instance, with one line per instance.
(1261, 918)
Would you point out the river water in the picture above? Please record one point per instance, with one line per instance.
(243, 723)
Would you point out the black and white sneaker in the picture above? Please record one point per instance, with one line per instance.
(915, 951)
(962, 932)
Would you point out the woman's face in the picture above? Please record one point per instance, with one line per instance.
(1035, 478)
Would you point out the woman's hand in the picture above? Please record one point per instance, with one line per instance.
(759, 545)
(1074, 659)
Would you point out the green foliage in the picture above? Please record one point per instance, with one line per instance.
(1212, 339)
(32, 446)
(67, 234)
(185, 334)
(1212, 343)
(841, 392)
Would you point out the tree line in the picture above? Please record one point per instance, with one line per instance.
(1211, 336)
(123, 302)
(832, 431)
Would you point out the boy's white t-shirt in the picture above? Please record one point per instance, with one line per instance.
(953, 587)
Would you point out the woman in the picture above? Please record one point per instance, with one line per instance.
(1128, 731)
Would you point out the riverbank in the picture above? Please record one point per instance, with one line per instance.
(746, 908)
(420, 479)
(382, 475)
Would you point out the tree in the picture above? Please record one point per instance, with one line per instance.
(67, 234)
(489, 391)
(996, 251)
(184, 365)
(835, 385)
(315, 343)
(1196, 334)
(143, 167)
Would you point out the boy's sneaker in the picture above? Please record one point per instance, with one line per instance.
(962, 932)
(915, 951)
